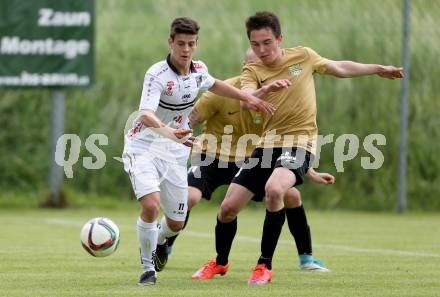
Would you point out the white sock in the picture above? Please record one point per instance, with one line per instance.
(165, 231)
(147, 236)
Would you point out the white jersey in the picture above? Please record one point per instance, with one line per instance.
(171, 96)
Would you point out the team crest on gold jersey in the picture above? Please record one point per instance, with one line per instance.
(295, 69)
(257, 118)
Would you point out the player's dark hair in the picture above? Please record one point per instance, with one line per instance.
(262, 20)
(184, 25)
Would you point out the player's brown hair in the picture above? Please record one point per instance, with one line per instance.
(184, 25)
(262, 20)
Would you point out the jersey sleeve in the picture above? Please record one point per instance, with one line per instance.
(319, 63)
(206, 80)
(249, 79)
(207, 105)
(151, 92)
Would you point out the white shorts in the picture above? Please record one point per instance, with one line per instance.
(150, 175)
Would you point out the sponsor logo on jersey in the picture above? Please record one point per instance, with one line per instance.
(177, 121)
(170, 85)
(136, 129)
(186, 97)
(197, 65)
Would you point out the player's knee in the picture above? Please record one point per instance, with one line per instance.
(149, 206)
(175, 226)
(274, 193)
(274, 197)
(292, 199)
(228, 212)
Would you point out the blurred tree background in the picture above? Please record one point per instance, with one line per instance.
(132, 35)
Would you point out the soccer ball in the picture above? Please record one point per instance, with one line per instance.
(100, 237)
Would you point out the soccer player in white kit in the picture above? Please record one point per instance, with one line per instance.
(157, 145)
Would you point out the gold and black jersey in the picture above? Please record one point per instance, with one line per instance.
(229, 132)
(294, 121)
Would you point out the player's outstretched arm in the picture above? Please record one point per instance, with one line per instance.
(274, 86)
(150, 120)
(353, 69)
(320, 177)
(223, 89)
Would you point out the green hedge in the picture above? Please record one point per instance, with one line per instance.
(131, 35)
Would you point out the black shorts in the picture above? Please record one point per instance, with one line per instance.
(254, 178)
(208, 178)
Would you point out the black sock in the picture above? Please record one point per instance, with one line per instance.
(298, 226)
(171, 239)
(224, 235)
(273, 224)
(266, 261)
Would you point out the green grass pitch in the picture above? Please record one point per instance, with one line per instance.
(370, 254)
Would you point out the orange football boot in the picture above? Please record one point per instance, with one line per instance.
(210, 269)
(260, 275)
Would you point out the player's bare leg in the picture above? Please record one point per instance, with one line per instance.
(194, 197)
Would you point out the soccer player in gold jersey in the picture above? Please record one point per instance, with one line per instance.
(288, 144)
(228, 129)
